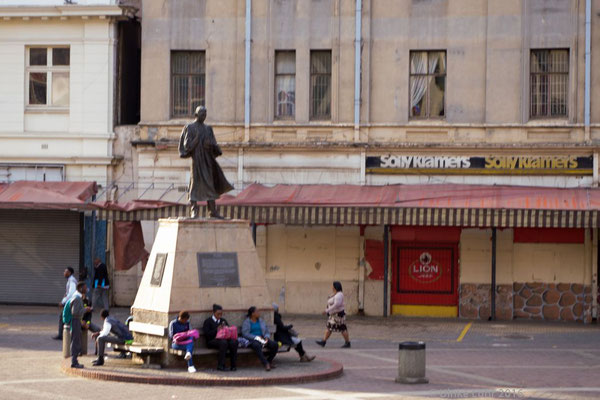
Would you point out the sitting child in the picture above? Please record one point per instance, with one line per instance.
(181, 324)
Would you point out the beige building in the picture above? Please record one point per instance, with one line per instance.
(428, 92)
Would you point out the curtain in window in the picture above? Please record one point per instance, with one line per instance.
(418, 83)
(285, 84)
(285, 95)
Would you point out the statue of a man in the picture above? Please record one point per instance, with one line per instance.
(207, 181)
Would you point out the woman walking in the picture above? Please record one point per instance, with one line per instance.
(336, 320)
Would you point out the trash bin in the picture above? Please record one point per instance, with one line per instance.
(66, 341)
(411, 363)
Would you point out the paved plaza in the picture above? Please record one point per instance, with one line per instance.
(537, 360)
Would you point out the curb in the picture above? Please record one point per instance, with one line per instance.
(336, 370)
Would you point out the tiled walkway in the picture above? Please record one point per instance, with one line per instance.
(492, 360)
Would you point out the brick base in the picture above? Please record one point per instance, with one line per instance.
(148, 376)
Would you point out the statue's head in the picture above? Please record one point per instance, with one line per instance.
(200, 113)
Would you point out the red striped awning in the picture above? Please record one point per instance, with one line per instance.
(417, 205)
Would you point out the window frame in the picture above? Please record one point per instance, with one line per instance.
(172, 114)
(275, 75)
(410, 75)
(49, 69)
(311, 115)
(567, 95)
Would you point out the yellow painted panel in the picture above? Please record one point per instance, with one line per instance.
(424, 311)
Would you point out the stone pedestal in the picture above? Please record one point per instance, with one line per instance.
(172, 281)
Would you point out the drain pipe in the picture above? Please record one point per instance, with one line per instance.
(588, 38)
(357, 60)
(247, 71)
(386, 267)
(493, 285)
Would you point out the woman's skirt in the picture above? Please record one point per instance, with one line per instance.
(337, 322)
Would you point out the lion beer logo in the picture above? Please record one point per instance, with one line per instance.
(425, 269)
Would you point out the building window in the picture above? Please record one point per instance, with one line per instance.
(549, 82)
(48, 76)
(320, 84)
(427, 84)
(285, 84)
(188, 82)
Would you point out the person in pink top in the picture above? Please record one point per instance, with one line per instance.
(336, 316)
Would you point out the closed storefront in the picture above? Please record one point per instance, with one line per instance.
(35, 248)
(41, 226)
(425, 271)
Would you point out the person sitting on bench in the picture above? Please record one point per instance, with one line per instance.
(111, 325)
(255, 330)
(211, 326)
(179, 325)
(286, 335)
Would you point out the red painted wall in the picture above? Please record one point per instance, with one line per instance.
(374, 256)
(549, 235)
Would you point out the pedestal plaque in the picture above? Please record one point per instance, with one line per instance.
(218, 269)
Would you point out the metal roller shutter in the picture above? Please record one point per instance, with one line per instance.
(35, 248)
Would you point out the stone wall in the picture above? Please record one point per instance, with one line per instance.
(552, 301)
(474, 301)
(530, 300)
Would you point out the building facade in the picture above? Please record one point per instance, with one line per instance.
(372, 93)
(61, 96)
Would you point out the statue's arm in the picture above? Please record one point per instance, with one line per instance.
(187, 142)
(213, 143)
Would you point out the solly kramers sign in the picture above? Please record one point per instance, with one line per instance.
(519, 164)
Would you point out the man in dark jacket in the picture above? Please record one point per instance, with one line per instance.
(284, 335)
(101, 285)
(77, 311)
(120, 334)
(211, 327)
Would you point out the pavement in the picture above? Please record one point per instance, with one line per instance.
(465, 359)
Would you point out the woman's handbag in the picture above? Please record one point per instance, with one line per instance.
(187, 337)
(227, 332)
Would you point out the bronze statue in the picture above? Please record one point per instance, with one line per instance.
(207, 181)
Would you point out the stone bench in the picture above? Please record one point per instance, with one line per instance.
(146, 352)
(202, 351)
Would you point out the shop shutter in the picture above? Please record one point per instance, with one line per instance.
(35, 248)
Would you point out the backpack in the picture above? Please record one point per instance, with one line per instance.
(67, 316)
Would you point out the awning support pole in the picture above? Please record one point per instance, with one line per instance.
(493, 288)
(254, 233)
(385, 269)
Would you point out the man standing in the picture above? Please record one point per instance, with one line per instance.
(207, 181)
(77, 311)
(111, 325)
(70, 290)
(101, 285)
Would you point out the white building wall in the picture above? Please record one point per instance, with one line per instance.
(79, 138)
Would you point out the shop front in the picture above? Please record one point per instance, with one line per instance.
(425, 271)
(468, 251)
(41, 234)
